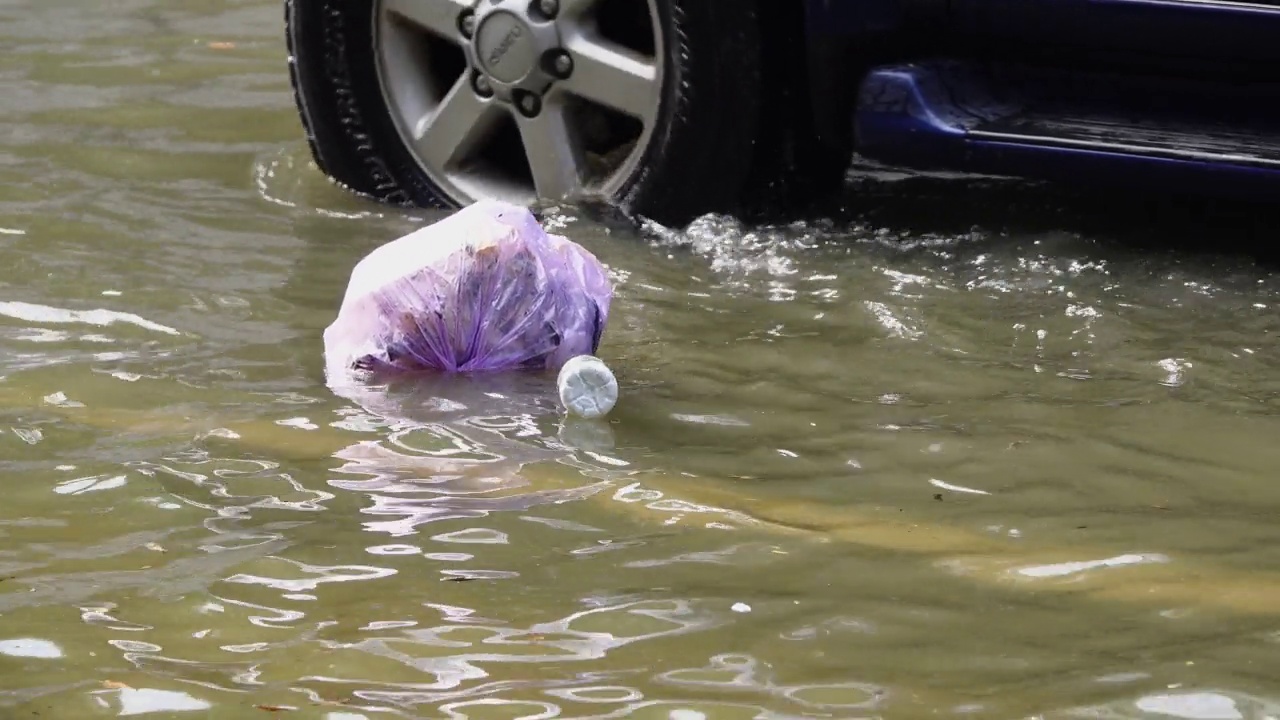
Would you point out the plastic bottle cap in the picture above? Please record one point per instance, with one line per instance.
(587, 387)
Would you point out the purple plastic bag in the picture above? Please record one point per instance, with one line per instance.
(483, 289)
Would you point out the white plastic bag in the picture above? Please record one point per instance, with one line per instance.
(483, 289)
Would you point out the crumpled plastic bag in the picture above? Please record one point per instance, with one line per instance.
(484, 289)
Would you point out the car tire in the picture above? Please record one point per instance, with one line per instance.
(794, 167)
(694, 159)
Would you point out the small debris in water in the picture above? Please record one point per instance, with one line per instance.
(741, 607)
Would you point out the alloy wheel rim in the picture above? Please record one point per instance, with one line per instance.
(522, 100)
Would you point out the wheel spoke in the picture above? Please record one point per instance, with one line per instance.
(438, 16)
(576, 8)
(453, 130)
(555, 156)
(613, 76)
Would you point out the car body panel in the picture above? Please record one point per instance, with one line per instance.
(856, 17)
(1058, 126)
(1206, 29)
(1168, 95)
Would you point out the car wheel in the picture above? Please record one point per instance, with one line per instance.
(650, 105)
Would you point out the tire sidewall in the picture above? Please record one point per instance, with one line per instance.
(700, 150)
(339, 94)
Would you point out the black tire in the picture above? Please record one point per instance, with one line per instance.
(698, 157)
(793, 169)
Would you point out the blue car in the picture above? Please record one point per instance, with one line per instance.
(673, 108)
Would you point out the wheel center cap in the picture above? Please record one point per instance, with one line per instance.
(505, 47)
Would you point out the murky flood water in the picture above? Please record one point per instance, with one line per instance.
(866, 467)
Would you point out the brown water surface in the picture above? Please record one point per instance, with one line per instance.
(922, 461)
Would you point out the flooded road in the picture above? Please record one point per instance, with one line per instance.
(968, 452)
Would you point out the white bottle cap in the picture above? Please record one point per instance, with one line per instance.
(587, 387)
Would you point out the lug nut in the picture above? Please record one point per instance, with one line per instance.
(467, 24)
(530, 105)
(561, 65)
(481, 85)
(549, 7)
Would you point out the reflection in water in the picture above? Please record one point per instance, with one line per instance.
(1185, 704)
(52, 315)
(462, 458)
(143, 701)
(1072, 568)
(30, 647)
